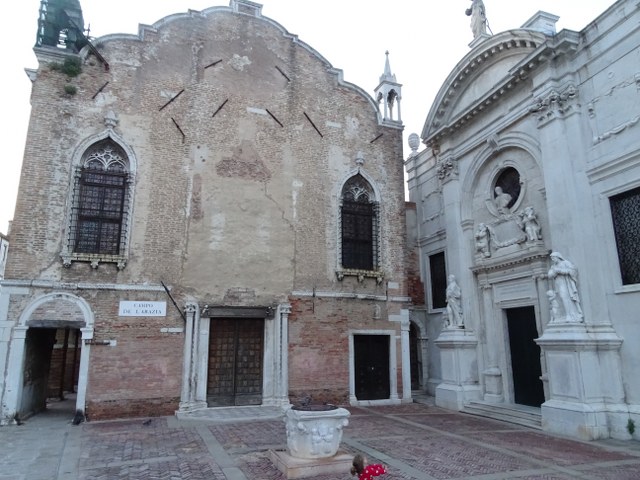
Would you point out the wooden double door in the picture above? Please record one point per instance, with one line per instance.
(236, 352)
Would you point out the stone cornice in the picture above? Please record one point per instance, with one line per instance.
(81, 285)
(357, 296)
(506, 263)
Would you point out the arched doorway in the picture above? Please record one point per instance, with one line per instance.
(49, 357)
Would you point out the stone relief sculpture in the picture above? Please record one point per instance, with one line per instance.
(478, 18)
(454, 303)
(482, 239)
(564, 277)
(528, 221)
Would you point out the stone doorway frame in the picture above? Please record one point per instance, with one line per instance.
(393, 369)
(275, 387)
(15, 365)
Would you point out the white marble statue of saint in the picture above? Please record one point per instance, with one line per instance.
(478, 18)
(454, 303)
(564, 278)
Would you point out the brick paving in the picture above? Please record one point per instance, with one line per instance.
(415, 441)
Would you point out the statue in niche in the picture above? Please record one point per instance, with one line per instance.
(478, 18)
(564, 277)
(454, 303)
(528, 221)
(482, 238)
(502, 200)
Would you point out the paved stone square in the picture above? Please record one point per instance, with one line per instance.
(415, 441)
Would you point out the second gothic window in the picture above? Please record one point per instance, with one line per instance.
(359, 222)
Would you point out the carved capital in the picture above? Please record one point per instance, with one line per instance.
(447, 169)
(285, 308)
(556, 104)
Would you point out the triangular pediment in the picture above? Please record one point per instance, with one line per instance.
(489, 70)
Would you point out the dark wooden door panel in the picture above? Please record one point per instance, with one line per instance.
(371, 367)
(235, 362)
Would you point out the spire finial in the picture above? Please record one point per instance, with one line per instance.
(387, 75)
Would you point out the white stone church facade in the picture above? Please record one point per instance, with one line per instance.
(528, 193)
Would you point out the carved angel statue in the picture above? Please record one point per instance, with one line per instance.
(482, 238)
(528, 221)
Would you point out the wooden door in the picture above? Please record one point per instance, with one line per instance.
(371, 367)
(236, 351)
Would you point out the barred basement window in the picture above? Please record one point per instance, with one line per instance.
(625, 211)
(100, 207)
(359, 222)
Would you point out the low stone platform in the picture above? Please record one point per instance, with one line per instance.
(293, 467)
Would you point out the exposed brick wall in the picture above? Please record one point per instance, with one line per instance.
(319, 331)
(415, 284)
(148, 407)
(242, 209)
(59, 364)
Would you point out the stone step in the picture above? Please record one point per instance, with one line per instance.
(516, 414)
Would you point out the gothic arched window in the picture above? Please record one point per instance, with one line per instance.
(359, 225)
(100, 206)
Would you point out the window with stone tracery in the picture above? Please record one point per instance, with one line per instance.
(625, 212)
(359, 222)
(100, 206)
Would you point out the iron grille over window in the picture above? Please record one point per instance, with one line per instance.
(357, 235)
(100, 207)
(359, 222)
(100, 212)
(625, 211)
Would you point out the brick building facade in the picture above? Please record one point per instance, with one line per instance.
(216, 161)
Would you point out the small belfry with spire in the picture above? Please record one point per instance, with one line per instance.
(389, 93)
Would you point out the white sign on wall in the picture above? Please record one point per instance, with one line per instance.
(142, 309)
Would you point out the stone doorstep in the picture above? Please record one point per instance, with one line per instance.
(294, 467)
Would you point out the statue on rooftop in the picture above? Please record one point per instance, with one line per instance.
(478, 18)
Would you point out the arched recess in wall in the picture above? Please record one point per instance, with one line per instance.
(493, 149)
(55, 310)
(100, 203)
(78, 304)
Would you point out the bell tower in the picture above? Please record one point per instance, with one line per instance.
(389, 93)
(60, 25)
